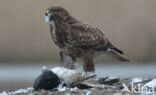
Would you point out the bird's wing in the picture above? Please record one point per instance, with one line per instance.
(88, 37)
(85, 36)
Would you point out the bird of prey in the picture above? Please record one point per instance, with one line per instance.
(79, 40)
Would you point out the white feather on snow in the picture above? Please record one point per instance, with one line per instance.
(151, 83)
(66, 74)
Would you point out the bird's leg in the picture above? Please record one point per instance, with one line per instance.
(71, 65)
(61, 56)
(85, 74)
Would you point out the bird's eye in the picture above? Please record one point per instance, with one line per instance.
(47, 11)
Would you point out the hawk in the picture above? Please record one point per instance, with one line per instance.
(79, 40)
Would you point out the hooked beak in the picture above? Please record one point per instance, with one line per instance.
(47, 17)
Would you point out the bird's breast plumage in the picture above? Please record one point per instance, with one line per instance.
(58, 34)
(53, 32)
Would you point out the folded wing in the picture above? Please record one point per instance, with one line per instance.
(86, 36)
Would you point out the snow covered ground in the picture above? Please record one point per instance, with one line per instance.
(61, 90)
(14, 76)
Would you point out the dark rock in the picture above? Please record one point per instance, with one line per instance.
(47, 81)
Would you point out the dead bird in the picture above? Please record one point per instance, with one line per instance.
(47, 81)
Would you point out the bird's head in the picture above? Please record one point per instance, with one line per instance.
(55, 12)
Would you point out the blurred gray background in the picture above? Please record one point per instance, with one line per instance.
(25, 36)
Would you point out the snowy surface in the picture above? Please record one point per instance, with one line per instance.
(17, 91)
(151, 83)
(31, 72)
(4, 93)
(134, 80)
(60, 88)
(68, 91)
(88, 92)
(66, 74)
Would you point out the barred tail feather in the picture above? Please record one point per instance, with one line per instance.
(117, 55)
(117, 49)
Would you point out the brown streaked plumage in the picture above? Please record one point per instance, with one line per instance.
(79, 40)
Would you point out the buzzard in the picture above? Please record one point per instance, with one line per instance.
(79, 40)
